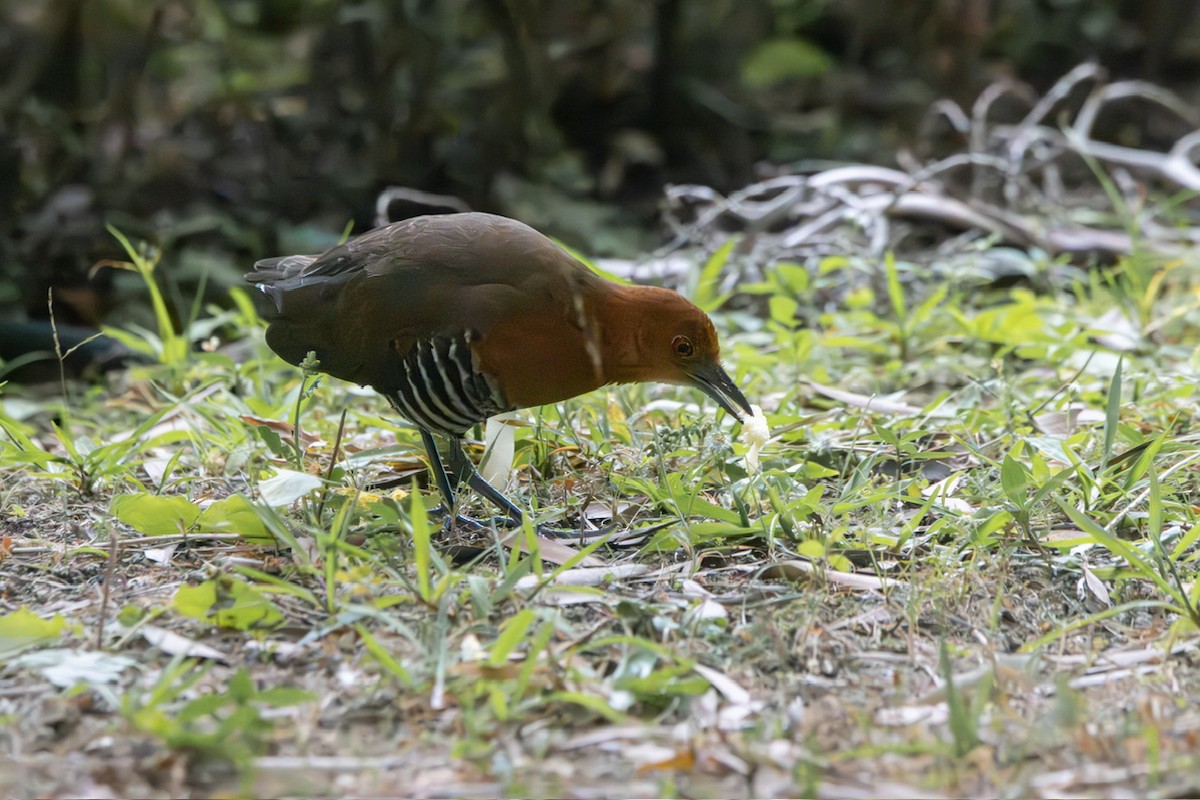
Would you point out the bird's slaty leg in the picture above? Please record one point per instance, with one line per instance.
(438, 468)
(445, 487)
(464, 471)
(462, 467)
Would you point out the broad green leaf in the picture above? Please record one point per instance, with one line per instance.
(155, 515)
(203, 706)
(815, 471)
(812, 550)
(240, 686)
(667, 681)
(234, 514)
(778, 60)
(23, 629)
(783, 309)
(1184, 545)
(1013, 480)
(840, 563)
(228, 603)
(271, 439)
(793, 277)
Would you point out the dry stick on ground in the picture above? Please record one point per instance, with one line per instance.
(167, 539)
(110, 574)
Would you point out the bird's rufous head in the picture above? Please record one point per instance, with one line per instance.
(675, 342)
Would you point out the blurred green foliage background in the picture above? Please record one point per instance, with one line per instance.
(225, 130)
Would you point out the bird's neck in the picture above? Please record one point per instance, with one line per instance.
(621, 313)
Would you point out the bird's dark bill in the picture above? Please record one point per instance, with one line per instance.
(717, 384)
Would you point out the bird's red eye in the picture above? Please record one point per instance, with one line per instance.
(683, 347)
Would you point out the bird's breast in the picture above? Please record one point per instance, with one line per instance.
(539, 358)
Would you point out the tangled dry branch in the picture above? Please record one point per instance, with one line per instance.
(1043, 182)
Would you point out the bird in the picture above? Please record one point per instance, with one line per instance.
(455, 318)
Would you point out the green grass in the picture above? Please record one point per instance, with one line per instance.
(1027, 493)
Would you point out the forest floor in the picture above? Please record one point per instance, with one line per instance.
(967, 566)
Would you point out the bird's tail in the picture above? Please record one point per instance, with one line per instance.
(271, 276)
(270, 271)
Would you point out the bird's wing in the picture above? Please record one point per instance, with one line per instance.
(363, 305)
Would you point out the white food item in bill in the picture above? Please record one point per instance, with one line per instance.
(755, 433)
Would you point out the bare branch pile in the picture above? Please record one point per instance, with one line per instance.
(1045, 182)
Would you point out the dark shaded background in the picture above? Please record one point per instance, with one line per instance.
(228, 130)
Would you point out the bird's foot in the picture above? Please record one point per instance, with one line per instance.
(584, 536)
(463, 522)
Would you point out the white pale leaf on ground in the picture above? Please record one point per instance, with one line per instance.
(1116, 331)
(648, 754)
(730, 689)
(869, 402)
(348, 676)
(161, 555)
(574, 597)
(1093, 590)
(1068, 782)
(287, 486)
(663, 405)
(1111, 677)
(1067, 421)
(689, 587)
(585, 576)
(499, 450)
(737, 707)
(944, 490)
(176, 644)
(282, 651)
(621, 700)
(792, 569)
(472, 649)
(903, 716)
(727, 706)
(20, 409)
(945, 487)
(706, 610)
(1115, 659)
(958, 506)
(156, 467)
(66, 668)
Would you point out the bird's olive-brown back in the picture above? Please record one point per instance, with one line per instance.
(519, 298)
